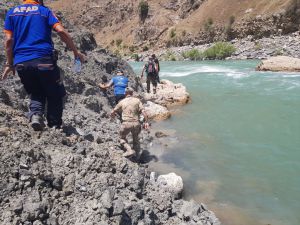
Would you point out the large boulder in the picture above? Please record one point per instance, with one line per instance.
(156, 112)
(169, 94)
(280, 63)
(171, 183)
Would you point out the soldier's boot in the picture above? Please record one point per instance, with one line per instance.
(37, 122)
(129, 152)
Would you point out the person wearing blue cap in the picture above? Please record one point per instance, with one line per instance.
(120, 82)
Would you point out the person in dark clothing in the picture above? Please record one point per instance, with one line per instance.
(151, 70)
(30, 51)
(158, 67)
(120, 83)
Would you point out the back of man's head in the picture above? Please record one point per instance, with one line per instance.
(120, 72)
(129, 91)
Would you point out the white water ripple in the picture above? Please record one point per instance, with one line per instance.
(211, 70)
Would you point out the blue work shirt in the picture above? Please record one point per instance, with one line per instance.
(120, 84)
(31, 26)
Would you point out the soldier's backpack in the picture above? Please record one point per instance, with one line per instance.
(151, 68)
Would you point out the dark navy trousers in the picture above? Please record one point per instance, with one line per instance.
(42, 81)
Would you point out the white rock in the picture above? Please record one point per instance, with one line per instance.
(172, 183)
(156, 112)
(280, 63)
(169, 94)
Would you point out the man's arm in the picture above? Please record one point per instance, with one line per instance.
(66, 38)
(142, 110)
(9, 55)
(146, 124)
(107, 85)
(116, 109)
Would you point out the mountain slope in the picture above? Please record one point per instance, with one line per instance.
(117, 25)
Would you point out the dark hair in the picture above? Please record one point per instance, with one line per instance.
(153, 56)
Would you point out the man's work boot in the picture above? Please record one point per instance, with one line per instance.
(129, 153)
(36, 123)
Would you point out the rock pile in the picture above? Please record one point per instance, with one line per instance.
(78, 175)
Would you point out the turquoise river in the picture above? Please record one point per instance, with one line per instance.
(237, 144)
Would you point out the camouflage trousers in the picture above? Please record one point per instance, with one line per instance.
(134, 128)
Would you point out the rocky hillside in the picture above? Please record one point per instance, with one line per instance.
(180, 22)
(78, 176)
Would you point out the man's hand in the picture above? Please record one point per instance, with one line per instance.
(7, 71)
(101, 86)
(113, 114)
(146, 126)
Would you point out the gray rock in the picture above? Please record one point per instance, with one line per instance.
(106, 199)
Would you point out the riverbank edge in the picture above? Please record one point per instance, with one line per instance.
(246, 48)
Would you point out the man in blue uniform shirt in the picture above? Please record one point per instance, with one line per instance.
(120, 82)
(30, 51)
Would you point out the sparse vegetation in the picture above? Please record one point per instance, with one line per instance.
(132, 48)
(278, 52)
(257, 46)
(220, 50)
(228, 28)
(172, 33)
(193, 54)
(183, 33)
(119, 42)
(208, 25)
(112, 43)
(135, 57)
(117, 53)
(170, 56)
(145, 48)
(143, 10)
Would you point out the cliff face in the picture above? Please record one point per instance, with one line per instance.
(78, 175)
(117, 24)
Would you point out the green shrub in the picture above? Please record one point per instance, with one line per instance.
(278, 52)
(231, 20)
(135, 57)
(143, 10)
(119, 42)
(228, 28)
(220, 50)
(132, 48)
(170, 56)
(193, 54)
(145, 48)
(172, 33)
(208, 25)
(257, 46)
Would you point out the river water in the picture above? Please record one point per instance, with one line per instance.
(237, 144)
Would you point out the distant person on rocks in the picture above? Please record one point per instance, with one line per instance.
(151, 69)
(158, 67)
(120, 82)
(30, 51)
(131, 109)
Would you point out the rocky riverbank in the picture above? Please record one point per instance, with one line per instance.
(246, 48)
(78, 175)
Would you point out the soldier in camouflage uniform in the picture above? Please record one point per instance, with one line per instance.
(131, 109)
